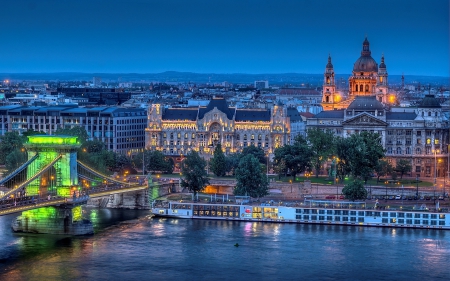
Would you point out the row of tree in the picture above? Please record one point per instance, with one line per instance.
(248, 167)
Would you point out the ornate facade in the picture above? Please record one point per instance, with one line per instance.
(175, 131)
(367, 79)
(414, 133)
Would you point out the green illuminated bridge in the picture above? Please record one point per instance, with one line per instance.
(50, 188)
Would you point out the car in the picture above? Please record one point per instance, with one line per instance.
(404, 197)
(329, 197)
(410, 198)
(441, 197)
(427, 197)
(398, 197)
(341, 197)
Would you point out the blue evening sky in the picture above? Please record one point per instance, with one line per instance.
(222, 36)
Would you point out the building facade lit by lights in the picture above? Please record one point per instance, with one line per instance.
(176, 131)
(367, 79)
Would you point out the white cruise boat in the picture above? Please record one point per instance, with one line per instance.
(309, 212)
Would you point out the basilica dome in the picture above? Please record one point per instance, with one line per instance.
(365, 63)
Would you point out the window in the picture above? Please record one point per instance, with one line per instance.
(436, 141)
(417, 169)
(399, 150)
(408, 132)
(408, 150)
(428, 141)
(419, 133)
(418, 150)
(408, 141)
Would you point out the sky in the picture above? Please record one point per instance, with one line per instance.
(222, 36)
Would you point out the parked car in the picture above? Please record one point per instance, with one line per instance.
(441, 197)
(398, 197)
(341, 197)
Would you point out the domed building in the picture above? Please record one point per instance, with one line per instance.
(367, 79)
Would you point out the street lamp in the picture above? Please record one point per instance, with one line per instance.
(291, 185)
(385, 184)
(435, 173)
(417, 187)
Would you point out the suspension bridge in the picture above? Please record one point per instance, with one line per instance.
(52, 185)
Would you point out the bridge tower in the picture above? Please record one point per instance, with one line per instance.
(53, 173)
(62, 178)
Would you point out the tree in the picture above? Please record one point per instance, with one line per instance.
(403, 166)
(355, 191)
(32, 132)
(8, 143)
(281, 168)
(76, 131)
(255, 151)
(365, 150)
(342, 151)
(15, 159)
(194, 174)
(232, 161)
(251, 178)
(383, 169)
(218, 163)
(296, 158)
(321, 144)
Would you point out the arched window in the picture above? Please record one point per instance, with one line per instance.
(360, 88)
(418, 150)
(429, 113)
(327, 99)
(435, 114)
(245, 137)
(356, 87)
(408, 150)
(399, 150)
(367, 88)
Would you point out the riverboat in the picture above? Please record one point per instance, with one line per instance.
(308, 212)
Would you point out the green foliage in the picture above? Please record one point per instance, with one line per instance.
(403, 166)
(8, 143)
(322, 146)
(365, 151)
(251, 178)
(194, 174)
(383, 168)
(77, 131)
(32, 132)
(343, 149)
(218, 163)
(255, 151)
(95, 155)
(355, 191)
(155, 162)
(296, 158)
(232, 162)
(15, 159)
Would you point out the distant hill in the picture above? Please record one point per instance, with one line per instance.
(279, 79)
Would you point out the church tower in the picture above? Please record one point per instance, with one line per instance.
(329, 97)
(382, 82)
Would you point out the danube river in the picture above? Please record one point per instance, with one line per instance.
(130, 245)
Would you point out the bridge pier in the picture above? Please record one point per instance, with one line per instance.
(66, 219)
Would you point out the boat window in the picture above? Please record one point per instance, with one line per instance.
(361, 219)
(425, 222)
(401, 221)
(416, 221)
(337, 218)
(314, 218)
(306, 217)
(417, 216)
(393, 215)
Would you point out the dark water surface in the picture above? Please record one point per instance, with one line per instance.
(129, 245)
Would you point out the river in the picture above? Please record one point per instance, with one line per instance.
(130, 245)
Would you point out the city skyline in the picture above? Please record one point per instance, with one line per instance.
(222, 36)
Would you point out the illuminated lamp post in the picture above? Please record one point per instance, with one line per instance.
(435, 173)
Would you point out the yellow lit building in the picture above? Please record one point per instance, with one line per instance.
(175, 131)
